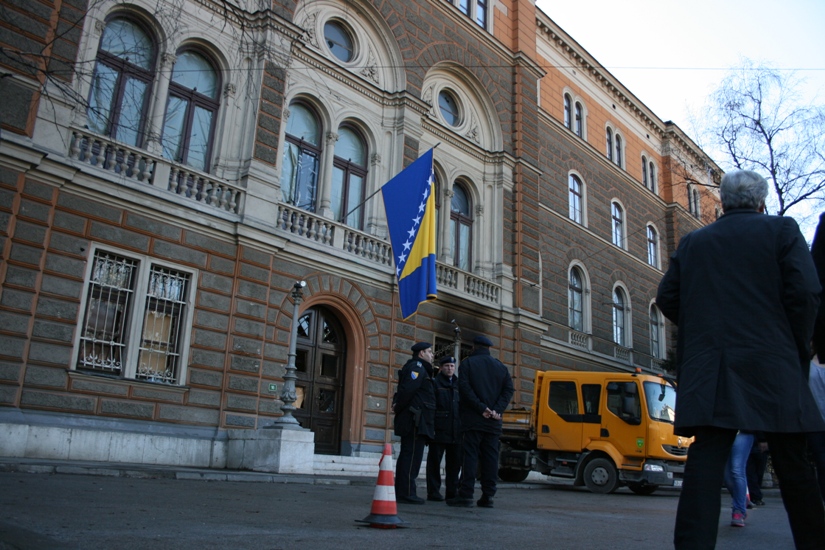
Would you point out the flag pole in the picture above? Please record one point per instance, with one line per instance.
(363, 202)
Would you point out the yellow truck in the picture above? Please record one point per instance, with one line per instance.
(602, 429)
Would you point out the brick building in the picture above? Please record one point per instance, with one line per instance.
(168, 171)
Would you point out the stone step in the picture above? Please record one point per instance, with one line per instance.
(347, 465)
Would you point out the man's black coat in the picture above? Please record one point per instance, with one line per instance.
(744, 293)
(484, 382)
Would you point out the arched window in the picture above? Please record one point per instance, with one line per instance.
(645, 181)
(122, 82)
(191, 111)
(579, 128)
(618, 159)
(461, 226)
(349, 174)
(657, 348)
(299, 173)
(609, 138)
(617, 218)
(652, 246)
(619, 317)
(575, 300)
(576, 199)
(568, 112)
(652, 168)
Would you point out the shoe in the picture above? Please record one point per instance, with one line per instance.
(412, 499)
(460, 502)
(436, 497)
(759, 502)
(749, 505)
(737, 519)
(485, 502)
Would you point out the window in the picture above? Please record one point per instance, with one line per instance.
(652, 246)
(575, 300)
(609, 138)
(618, 158)
(299, 173)
(568, 113)
(619, 317)
(475, 9)
(563, 399)
(448, 107)
(652, 170)
(137, 313)
(461, 225)
(191, 111)
(122, 82)
(657, 331)
(349, 173)
(576, 199)
(617, 218)
(339, 40)
(623, 400)
(693, 201)
(645, 180)
(579, 128)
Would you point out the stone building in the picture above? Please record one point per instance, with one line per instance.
(169, 170)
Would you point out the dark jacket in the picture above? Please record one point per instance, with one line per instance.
(818, 255)
(414, 401)
(447, 420)
(744, 293)
(483, 383)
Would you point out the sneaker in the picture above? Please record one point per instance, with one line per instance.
(737, 519)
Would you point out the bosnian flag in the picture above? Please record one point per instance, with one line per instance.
(409, 202)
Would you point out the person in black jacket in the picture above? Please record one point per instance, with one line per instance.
(486, 388)
(414, 408)
(447, 433)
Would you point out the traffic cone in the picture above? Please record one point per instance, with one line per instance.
(383, 514)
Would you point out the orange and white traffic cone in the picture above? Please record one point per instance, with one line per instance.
(383, 514)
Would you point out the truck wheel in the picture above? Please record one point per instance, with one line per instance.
(510, 474)
(640, 489)
(600, 476)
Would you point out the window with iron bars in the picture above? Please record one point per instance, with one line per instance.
(136, 317)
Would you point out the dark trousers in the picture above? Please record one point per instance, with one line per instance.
(452, 467)
(408, 465)
(697, 515)
(816, 444)
(757, 463)
(480, 451)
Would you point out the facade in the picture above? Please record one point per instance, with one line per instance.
(169, 170)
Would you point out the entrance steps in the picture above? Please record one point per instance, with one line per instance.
(360, 466)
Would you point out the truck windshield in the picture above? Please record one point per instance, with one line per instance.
(661, 401)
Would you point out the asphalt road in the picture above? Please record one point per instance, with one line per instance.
(63, 511)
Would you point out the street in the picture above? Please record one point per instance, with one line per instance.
(63, 511)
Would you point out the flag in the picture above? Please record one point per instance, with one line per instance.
(410, 206)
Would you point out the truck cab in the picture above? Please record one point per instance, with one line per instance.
(602, 429)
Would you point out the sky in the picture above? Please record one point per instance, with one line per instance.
(672, 54)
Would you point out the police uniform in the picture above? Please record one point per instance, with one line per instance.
(447, 439)
(414, 407)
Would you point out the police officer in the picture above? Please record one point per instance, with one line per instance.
(447, 433)
(414, 408)
(486, 389)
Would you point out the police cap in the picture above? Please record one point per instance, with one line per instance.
(482, 340)
(420, 346)
(447, 359)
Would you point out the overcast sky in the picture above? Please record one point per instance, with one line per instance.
(671, 54)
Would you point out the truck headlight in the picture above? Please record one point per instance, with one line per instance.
(654, 468)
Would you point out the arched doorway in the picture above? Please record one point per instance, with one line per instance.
(319, 362)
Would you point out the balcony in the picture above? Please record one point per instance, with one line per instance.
(131, 164)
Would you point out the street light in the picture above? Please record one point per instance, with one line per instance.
(288, 395)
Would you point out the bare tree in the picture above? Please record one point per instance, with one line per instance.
(757, 120)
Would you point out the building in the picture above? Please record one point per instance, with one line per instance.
(169, 170)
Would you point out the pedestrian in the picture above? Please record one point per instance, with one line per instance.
(736, 479)
(414, 408)
(447, 441)
(757, 464)
(816, 375)
(744, 293)
(485, 388)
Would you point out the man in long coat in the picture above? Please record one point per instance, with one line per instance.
(744, 293)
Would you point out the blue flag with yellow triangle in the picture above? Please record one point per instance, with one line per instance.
(409, 201)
